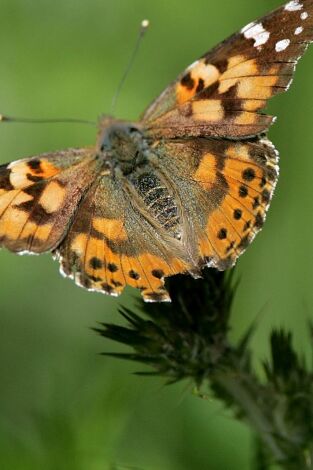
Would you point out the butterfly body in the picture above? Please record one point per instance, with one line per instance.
(120, 143)
(187, 186)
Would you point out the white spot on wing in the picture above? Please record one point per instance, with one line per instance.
(248, 26)
(256, 32)
(298, 30)
(304, 15)
(282, 45)
(294, 6)
(26, 252)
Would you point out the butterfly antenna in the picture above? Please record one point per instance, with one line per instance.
(4, 118)
(143, 28)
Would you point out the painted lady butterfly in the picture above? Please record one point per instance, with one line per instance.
(187, 186)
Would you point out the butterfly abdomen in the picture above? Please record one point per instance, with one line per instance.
(158, 201)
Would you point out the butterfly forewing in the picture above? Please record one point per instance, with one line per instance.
(38, 197)
(222, 93)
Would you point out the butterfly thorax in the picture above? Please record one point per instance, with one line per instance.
(123, 145)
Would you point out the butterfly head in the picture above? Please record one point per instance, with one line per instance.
(120, 142)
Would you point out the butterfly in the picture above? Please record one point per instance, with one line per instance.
(185, 187)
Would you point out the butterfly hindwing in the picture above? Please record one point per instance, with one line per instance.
(38, 197)
(225, 189)
(111, 245)
(222, 93)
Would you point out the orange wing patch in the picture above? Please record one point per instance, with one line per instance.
(110, 228)
(206, 171)
(199, 76)
(208, 110)
(254, 81)
(24, 173)
(52, 197)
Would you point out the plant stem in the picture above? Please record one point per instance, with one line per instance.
(240, 391)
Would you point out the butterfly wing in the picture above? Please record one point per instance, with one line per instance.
(224, 189)
(111, 244)
(68, 202)
(39, 196)
(223, 92)
(225, 181)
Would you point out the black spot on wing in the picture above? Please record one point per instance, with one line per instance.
(209, 91)
(187, 81)
(35, 165)
(134, 275)
(221, 65)
(112, 267)
(222, 234)
(248, 174)
(200, 85)
(158, 273)
(95, 263)
(243, 191)
(237, 214)
(5, 178)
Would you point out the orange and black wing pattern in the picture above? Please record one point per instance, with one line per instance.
(111, 244)
(188, 186)
(222, 93)
(39, 196)
(225, 189)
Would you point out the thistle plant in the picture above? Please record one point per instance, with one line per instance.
(189, 339)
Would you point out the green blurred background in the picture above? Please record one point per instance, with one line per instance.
(63, 406)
